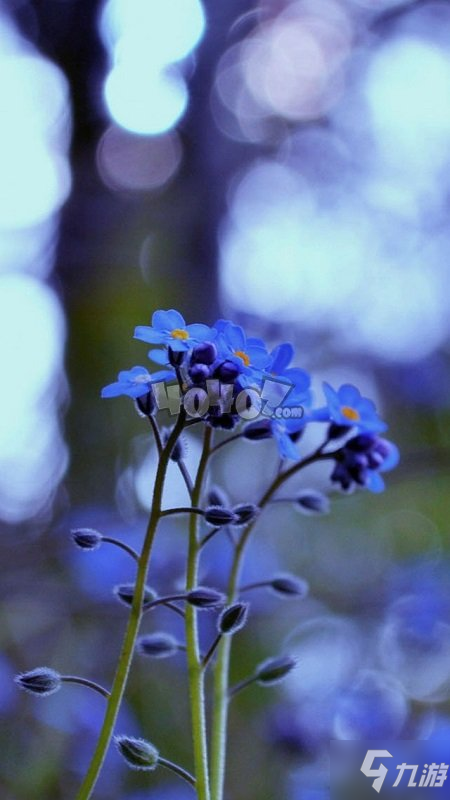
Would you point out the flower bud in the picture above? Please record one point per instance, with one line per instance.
(179, 449)
(311, 502)
(87, 538)
(157, 645)
(138, 753)
(218, 516)
(233, 618)
(275, 669)
(125, 593)
(204, 353)
(227, 372)
(198, 373)
(42, 681)
(203, 597)
(289, 586)
(245, 513)
(257, 431)
(217, 497)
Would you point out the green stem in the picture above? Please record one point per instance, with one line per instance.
(195, 668)
(126, 654)
(222, 666)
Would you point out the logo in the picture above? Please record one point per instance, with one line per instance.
(380, 773)
(389, 769)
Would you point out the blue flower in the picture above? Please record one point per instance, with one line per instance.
(169, 328)
(347, 407)
(135, 382)
(361, 460)
(249, 354)
(299, 379)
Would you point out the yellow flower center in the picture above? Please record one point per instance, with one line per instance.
(179, 333)
(350, 413)
(244, 356)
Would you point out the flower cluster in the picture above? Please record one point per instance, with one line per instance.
(228, 376)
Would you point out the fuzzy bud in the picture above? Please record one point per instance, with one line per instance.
(275, 669)
(179, 449)
(203, 597)
(233, 618)
(125, 593)
(157, 645)
(218, 516)
(87, 538)
(245, 513)
(311, 502)
(138, 753)
(289, 586)
(42, 681)
(204, 353)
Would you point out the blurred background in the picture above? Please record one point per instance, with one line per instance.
(284, 163)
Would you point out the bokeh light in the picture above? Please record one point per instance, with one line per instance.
(34, 138)
(144, 91)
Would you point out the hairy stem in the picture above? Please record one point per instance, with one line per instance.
(126, 654)
(195, 667)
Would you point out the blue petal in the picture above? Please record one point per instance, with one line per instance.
(333, 402)
(201, 333)
(113, 390)
(375, 482)
(286, 446)
(168, 320)
(299, 378)
(158, 356)
(149, 335)
(163, 375)
(235, 337)
(392, 459)
(282, 357)
(258, 356)
(349, 395)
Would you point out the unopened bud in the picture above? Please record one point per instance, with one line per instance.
(125, 593)
(87, 538)
(138, 753)
(178, 452)
(42, 681)
(311, 502)
(203, 597)
(157, 645)
(245, 513)
(274, 670)
(233, 618)
(289, 585)
(218, 516)
(204, 353)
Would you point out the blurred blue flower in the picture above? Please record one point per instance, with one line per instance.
(136, 382)
(169, 328)
(375, 707)
(347, 407)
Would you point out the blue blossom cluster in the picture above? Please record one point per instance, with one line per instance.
(256, 384)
